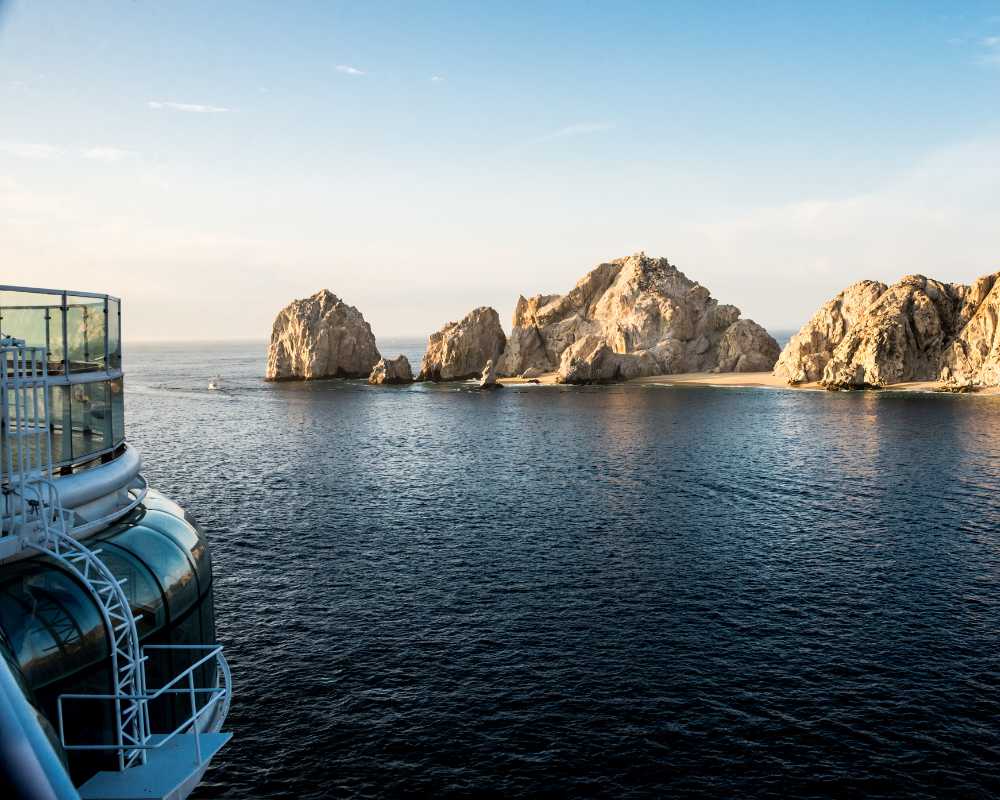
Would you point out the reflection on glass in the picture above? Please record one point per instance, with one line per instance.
(165, 558)
(35, 317)
(53, 625)
(144, 595)
(85, 318)
(81, 334)
(118, 410)
(91, 418)
(185, 535)
(85, 419)
(61, 423)
(114, 334)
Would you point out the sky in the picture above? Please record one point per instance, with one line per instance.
(209, 162)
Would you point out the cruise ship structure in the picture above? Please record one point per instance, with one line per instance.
(111, 683)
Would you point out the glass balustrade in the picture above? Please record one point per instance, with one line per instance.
(81, 334)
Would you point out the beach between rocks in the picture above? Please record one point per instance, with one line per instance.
(754, 380)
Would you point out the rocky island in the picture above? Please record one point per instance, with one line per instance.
(461, 349)
(641, 318)
(320, 337)
(633, 317)
(919, 329)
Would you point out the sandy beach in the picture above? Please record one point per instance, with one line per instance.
(757, 380)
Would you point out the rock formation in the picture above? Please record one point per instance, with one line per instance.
(632, 317)
(746, 347)
(488, 380)
(873, 335)
(810, 350)
(392, 371)
(973, 359)
(320, 337)
(461, 349)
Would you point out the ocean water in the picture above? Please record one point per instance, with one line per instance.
(600, 591)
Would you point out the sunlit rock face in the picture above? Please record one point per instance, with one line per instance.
(873, 335)
(629, 318)
(811, 349)
(391, 371)
(320, 337)
(461, 349)
(973, 359)
(488, 380)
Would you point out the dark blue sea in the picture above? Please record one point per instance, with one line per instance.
(625, 591)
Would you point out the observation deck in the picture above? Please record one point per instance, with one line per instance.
(102, 615)
(80, 334)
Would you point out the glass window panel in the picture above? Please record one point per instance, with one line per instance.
(27, 408)
(61, 423)
(57, 347)
(118, 410)
(85, 318)
(29, 324)
(91, 411)
(35, 317)
(143, 593)
(185, 535)
(52, 624)
(167, 561)
(114, 335)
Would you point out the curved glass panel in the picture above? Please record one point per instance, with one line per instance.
(160, 502)
(85, 327)
(114, 334)
(167, 561)
(35, 317)
(186, 536)
(61, 423)
(91, 413)
(53, 625)
(82, 336)
(117, 388)
(141, 589)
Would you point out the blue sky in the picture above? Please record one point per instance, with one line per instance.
(211, 161)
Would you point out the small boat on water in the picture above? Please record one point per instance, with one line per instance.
(214, 383)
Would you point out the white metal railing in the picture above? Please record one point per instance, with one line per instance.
(127, 662)
(32, 512)
(24, 418)
(217, 696)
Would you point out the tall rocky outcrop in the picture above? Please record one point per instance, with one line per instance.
(461, 349)
(320, 337)
(811, 349)
(873, 335)
(973, 359)
(632, 317)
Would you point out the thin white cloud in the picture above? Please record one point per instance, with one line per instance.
(195, 108)
(30, 150)
(437, 78)
(991, 47)
(347, 69)
(577, 129)
(108, 154)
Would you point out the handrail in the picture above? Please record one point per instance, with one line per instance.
(97, 524)
(34, 290)
(218, 694)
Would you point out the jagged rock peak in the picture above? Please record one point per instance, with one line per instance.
(320, 337)
(873, 335)
(461, 349)
(630, 317)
